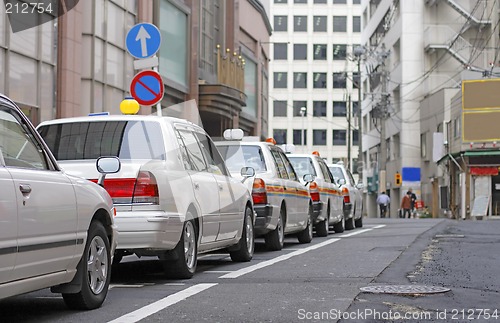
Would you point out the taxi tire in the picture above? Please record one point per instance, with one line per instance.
(349, 225)
(323, 226)
(246, 245)
(276, 239)
(97, 251)
(306, 235)
(339, 226)
(177, 267)
(359, 222)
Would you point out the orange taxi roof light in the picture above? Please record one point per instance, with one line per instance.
(316, 153)
(271, 141)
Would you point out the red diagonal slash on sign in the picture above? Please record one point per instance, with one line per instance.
(147, 87)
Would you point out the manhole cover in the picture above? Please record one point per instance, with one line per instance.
(404, 289)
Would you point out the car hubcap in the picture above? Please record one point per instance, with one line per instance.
(249, 233)
(189, 244)
(309, 226)
(97, 265)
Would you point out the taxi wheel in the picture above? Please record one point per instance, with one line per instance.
(94, 270)
(186, 254)
(247, 241)
(306, 235)
(339, 226)
(349, 225)
(359, 222)
(323, 226)
(275, 239)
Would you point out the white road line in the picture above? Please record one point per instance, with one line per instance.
(124, 286)
(270, 262)
(174, 284)
(217, 271)
(163, 303)
(361, 231)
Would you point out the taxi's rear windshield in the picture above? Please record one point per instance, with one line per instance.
(237, 157)
(336, 172)
(90, 140)
(303, 166)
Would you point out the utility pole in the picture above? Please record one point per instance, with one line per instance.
(358, 53)
(383, 116)
(349, 132)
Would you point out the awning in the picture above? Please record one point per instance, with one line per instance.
(482, 153)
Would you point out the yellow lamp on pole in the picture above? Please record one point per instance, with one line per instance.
(129, 106)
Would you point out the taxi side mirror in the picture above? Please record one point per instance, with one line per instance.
(341, 181)
(247, 172)
(308, 178)
(107, 165)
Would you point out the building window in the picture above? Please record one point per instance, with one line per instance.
(297, 136)
(339, 137)
(319, 23)
(339, 52)
(280, 1)
(355, 138)
(456, 128)
(423, 146)
(299, 1)
(280, 51)
(339, 81)
(297, 105)
(319, 1)
(279, 108)
(339, 108)
(340, 24)
(355, 80)
(299, 80)
(356, 24)
(280, 136)
(319, 137)
(319, 108)
(299, 23)
(356, 1)
(280, 23)
(280, 79)
(299, 51)
(355, 105)
(319, 80)
(339, 1)
(319, 51)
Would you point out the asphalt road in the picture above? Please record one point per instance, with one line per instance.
(317, 282)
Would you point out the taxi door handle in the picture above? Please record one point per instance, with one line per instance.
(196, 186)
(221, 187)
(25, 188)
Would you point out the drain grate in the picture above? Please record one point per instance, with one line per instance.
(404, 289)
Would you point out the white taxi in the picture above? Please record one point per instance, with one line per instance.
(281, 201)
(353, 196)
(325, 193)
(174, 195)
(56, 230)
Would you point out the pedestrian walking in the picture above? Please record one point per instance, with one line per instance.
(406, 204)
(383, 200)
(413, 200)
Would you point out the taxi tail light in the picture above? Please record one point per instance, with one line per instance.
(345, 192)
(142, 189)
(259, 194)
(146, 189)
(314, 191)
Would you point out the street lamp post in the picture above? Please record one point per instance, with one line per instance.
(359, 52)
(302, 113)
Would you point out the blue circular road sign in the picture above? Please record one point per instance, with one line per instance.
(147, 87)
(143, 40)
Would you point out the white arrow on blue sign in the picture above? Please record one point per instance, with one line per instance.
(143, 40)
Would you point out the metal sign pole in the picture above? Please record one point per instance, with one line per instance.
(158, 105)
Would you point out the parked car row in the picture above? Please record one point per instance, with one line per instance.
(164, 189)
